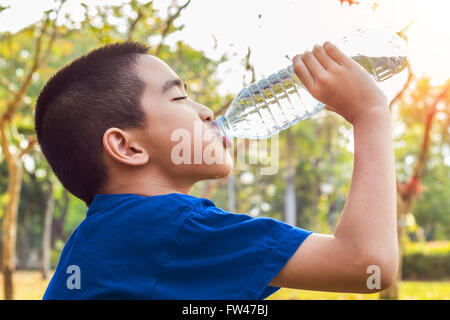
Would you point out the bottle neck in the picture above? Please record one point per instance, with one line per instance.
(222, 124)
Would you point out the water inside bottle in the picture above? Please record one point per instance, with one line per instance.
(279, 101)
(269, 106)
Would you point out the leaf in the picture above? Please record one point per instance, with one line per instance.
(350, 2)
(3, 8)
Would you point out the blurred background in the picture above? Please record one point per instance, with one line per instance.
(218, 47)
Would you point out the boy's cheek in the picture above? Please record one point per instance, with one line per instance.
(189, 142)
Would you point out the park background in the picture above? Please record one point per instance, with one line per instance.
(217, 47)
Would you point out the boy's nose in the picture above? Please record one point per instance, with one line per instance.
(208, 115)
(205, 113)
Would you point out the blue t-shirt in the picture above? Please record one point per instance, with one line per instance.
(172, 246)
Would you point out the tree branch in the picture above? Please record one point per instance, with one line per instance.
(7, 85)
(402, 34)
(417, 173)
(32, 140)
(248, 66)
(49, 46)
(26, 83)
(169, 23)
(4, 142)
(405, 86)
(133, 24)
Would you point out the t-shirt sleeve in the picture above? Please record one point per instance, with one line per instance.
(233, 256)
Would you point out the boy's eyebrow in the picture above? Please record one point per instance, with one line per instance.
(172, 83)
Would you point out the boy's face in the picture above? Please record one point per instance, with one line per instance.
(179, 138)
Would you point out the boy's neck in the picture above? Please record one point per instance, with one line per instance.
(147, 189)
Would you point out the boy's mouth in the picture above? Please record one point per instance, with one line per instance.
(227, 142)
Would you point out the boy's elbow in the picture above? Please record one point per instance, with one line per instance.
(389, 270)
(381, 270)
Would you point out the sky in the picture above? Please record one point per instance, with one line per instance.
(274, 29)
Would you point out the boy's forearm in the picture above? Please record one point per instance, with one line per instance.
(366, 232)
(368, 220)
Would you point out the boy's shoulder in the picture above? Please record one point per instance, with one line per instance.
(159, 204)
(173, 246)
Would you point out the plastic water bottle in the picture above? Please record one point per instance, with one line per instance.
(279, 101)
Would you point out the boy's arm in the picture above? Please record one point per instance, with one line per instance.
(366, 232)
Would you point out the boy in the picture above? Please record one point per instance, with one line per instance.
(105, 123)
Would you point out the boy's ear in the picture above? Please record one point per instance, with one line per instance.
(120, 147)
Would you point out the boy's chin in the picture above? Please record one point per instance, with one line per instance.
(216, 171)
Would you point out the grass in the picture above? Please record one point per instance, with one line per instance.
(409, 290)
(29, 285)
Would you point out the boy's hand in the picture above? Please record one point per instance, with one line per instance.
(338, 81)
(366, 234)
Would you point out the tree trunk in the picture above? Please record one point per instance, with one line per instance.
(24, 250)
(316, 193)
(10, 225)
(13, 160)
(329, 130)
(46, 235)
(407, 193)
(58, 224)
(331, 215)
(404, 205)
(290, 201)
(208, 188)
(231, 193)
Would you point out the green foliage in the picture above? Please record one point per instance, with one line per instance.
(136, 21)
(431, 209)
(427, 261)
(3, 8)
(55, 252)
(320, 152)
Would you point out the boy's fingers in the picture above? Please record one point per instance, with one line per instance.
(316, 70)
(324, 59)
(302, 72)
(336, 54)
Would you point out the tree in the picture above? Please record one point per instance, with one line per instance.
(28, 58)
(10, 139)
(290, 201)
(46, 234)
(18, 94)
(408, 192)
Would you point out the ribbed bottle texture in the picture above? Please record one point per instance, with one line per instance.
(279, 101)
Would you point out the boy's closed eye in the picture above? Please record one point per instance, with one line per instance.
(179, 98)
(183, 89)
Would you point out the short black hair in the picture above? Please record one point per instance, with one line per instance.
(79, 103)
